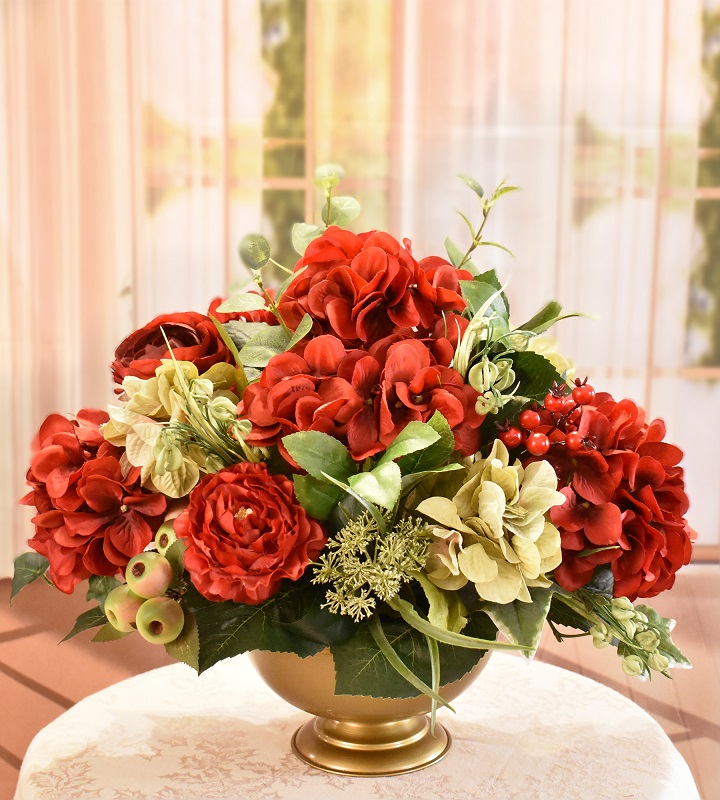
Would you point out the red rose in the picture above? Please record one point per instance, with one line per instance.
(193, 337)
(364, 288)
(91, 518)
(245, 533)
(623, 488)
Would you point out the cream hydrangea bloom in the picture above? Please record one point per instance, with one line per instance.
(494, 532)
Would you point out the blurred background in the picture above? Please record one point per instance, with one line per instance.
(139, 141)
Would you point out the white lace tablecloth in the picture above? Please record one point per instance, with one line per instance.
(530, 731)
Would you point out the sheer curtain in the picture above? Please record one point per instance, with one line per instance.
(141, 139)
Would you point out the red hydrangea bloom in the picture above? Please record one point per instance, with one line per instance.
(624, 489)
(362, 288)
(193, 337)
(246, 533)
(364, 398)
(92, 519)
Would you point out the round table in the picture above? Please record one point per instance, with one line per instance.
(524, 730)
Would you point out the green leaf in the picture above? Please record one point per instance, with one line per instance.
(413, 437)
(92, 618)
(319, 453)
(109, 634)
(301, 331)
(302, 615)
(472, 184)
(477, 293)
(490, 276)
(317, 497)
(263, 346)
(227, 629)
(186, 647)
(544, 319)
(343, 210)
(254, 250)
(436, 454)
(28, 568)
(232, 347)
(380, 486)
(245, 301)
(302, 235)
(362, 502)
(522, 623)
(561, 614)
(498, 245)
(99, 587)
(446, 609)
(455, 254)
(535, 374)
(502, 190)
(240, 331)
(175, 554)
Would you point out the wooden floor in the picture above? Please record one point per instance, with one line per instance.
(39, 680)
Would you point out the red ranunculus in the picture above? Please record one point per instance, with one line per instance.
(245, 533)
(193, 337)
(365, 287)
(92, 519)
(624, 490)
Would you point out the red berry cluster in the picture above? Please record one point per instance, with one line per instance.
(538, 432)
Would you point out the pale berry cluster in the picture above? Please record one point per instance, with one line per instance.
(143, 603)
(563, 407)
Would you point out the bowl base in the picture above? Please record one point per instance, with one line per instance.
(371, 748)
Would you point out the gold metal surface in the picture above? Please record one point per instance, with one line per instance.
(356, 735)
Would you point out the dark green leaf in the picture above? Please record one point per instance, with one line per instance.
(28, 568)
(319, 453)
(535, 373)
(521, 622)
(303, 616)
(186, 647)
(317, 497)
(436, 454)
(227, 629)
(561, 614)
(477, 293)
(92, 618)
(99, 588)
(109, 634)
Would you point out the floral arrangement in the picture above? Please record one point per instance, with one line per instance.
(371, 459)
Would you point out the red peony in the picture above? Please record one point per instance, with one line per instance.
(362, 288)
(91, 518)
(245, 534)
(623, 488)
(193, 337)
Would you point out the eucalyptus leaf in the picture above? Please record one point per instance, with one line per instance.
(244, 301)
(240, 331)
(302, 235)
(318, 453)
(327, 176)
(28, 568)
(263, 346)
(254, 250)
(342, 211)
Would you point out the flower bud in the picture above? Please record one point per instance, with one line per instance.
(629, 627)
(222, 410)
(621, 613)
(640, 617)
(658, 661)
(623, 603)
(633, 666)
(648, 640)
(202, 388)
